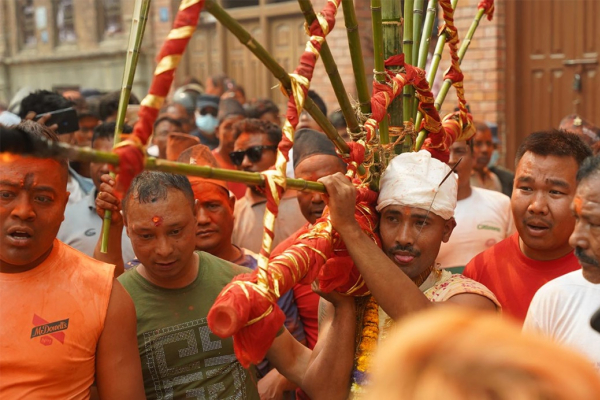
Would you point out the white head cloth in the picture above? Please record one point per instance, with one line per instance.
(412, 179)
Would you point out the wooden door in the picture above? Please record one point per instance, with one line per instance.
(553, 64)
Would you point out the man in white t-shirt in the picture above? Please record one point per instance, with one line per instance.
(483, 217)
(563, 307)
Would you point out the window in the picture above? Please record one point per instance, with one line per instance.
(26, 16)
(65, 21)
(111, 21)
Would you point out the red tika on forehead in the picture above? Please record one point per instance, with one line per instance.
(157, 220)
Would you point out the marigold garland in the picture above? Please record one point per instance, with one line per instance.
(366, 348)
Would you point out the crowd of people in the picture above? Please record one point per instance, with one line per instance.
(486, 280)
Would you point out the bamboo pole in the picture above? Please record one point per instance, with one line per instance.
(426, 39)
(391, 13)
(277, 70)
(33, 146)
(136, 36)
(358, 65)
(376, 19)
(408, 92)
(332, 72)
(417, 29)
(439, 100)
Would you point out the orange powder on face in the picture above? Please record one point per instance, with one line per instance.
(577, 205)
(204, 191)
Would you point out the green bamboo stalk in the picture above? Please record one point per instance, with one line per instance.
(391, 14)
(408, 92)
(358, 65)
(136, 35)
(439, 100)
(384, 136)
(332, 72)
(425, 40)
(417, 29)
(43, 148)
(277, 70)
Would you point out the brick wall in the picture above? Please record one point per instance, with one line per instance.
(338, 42)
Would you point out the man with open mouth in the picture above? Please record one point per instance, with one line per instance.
(514, 269)
(564, 307)
(66, 322)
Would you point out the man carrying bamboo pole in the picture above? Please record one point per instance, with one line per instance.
(65, 321)
(417, 211)
(173, 289)
(416, 204)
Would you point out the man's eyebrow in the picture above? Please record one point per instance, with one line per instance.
(526, 179)
(4, 182)
(44, 189)
(559, 183)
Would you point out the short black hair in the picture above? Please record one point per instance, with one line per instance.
(257, 126)
(42, 102)
(318, 101)
(150, 186)
(35, 129)
(109, 104)
(554, 143)
(172, 121)
(106, 130)
(260, 107)
(589, 167)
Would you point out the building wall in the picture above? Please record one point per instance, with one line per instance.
(94, 62)
(91, 61)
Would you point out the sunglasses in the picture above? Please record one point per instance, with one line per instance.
(253, 153)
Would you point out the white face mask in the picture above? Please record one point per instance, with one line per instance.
(207, 123)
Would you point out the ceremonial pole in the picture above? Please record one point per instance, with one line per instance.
(136, 36)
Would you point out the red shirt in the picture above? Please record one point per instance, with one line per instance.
(513, 277)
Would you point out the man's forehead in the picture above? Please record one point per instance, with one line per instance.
(46, 170)
(247, 139)
(405, 210)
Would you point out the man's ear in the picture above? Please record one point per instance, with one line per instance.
(66, 202)
(449, 226)
(232, 201)
(125, 223)
(196, 207)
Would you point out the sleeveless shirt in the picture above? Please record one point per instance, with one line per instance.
(52, 318)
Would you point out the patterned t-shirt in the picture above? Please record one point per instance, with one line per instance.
(181, 357)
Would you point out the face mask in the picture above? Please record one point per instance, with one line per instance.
(207, 123)
(494, 158)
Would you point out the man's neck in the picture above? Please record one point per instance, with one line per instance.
(481, 172)
(7, 268)
(229, 253)
(544, 255)
(464, 191)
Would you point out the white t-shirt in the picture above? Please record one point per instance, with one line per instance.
(482, 220)
(562, 309)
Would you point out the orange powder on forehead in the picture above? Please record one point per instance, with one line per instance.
(204, 190)
(577, 205)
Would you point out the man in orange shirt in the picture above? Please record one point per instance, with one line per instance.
(515, 268)
(65, 321)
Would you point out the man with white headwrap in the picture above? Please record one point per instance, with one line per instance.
(417, 215)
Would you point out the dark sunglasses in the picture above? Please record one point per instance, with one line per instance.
(253, 153)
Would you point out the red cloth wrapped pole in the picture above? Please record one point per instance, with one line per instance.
(131, 152)
(246, 309)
